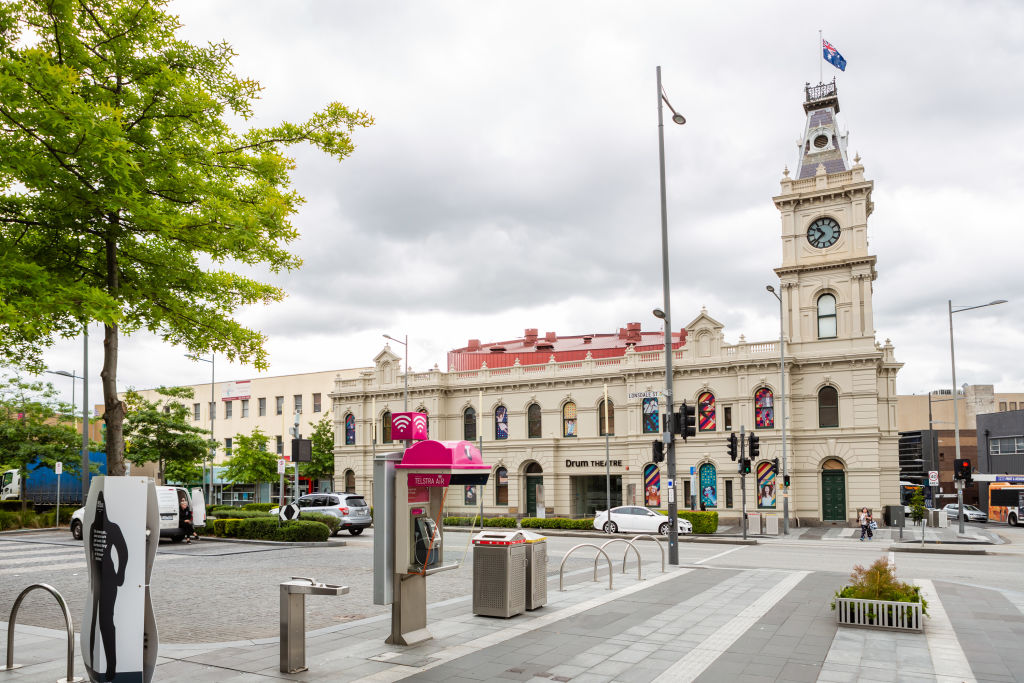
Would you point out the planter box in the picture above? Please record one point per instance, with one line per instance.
(883, 614)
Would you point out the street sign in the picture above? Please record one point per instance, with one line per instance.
(281, 464)
(933, 478)
(643, 394)
(302, 449)
(59, 467)
(289, 512)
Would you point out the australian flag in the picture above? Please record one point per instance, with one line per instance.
(832, 56)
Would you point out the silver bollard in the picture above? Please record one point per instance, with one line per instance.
(293, 619)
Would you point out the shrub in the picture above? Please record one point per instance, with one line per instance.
(704, 522)
(330, 521)
(556, 523)
(302, 531)
(258, 528)
(879, 582)
(29, 519)
(231, 527)
(505, 522)
(46, 519)
(8, 520)
(259, 507)
(236, 513)
(15, 505)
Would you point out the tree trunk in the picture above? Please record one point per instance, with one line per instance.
(113, 407)
(258, 500)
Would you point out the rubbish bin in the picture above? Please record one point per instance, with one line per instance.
(772, 526)
(499, 573)
(894, 516)
(536, 570)
(754, 523)
(293, 619)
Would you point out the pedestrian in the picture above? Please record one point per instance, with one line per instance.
(185, 521)
(864, 518)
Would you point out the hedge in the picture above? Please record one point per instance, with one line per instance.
(9, 520)
(556, 523)
(330, 521)
(15, 505)
(302, 531)
(259, 507)
(46, 518)
(235, 513)
(267, 529)
(703, 522)
(506, 522)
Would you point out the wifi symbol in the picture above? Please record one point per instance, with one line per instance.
(419, 421)
(401, 421)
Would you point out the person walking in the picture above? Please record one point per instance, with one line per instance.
(864, 519)
(185, 521)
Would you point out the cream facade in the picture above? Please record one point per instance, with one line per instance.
(840, 387)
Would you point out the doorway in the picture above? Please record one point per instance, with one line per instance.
(833, 492)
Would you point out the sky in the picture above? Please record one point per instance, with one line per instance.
(511, 178)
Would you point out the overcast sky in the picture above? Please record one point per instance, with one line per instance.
(511, 179)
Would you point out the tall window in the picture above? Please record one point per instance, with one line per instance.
(263, 407)
(469, 424)
(706, 412)
(533, 422)
(350, 481)
(279, 443)
(316, 403)
(350, 430)
(279, 405)
(764, 408)
(195, 411)
(609, 428)
(298, 403)
(501, 424)
(828, 407)
(650, 410)
(245, 407)
(228, 409)
(569, 419)
(826, 316)
(501, 486)
(385, 427)
(227, 447)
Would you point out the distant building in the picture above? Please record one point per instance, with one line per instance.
(1001, 440)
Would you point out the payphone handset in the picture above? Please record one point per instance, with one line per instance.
(427, 547)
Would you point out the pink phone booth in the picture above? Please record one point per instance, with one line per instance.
(411, 426)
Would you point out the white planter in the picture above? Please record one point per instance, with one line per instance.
(896, 616)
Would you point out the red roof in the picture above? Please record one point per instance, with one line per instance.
(533, 349)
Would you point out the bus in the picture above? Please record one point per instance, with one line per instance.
(1006, 503)
(908, 490)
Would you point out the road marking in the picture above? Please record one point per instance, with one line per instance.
(711, 648)
(25, 555)
(892, 557)
(848, 532)
(708, 559)
(947, 655)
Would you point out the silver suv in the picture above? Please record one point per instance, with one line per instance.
(350, 508)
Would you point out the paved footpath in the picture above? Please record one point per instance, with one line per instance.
(692, 623)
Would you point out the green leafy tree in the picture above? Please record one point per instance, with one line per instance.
(321, 466)
(917, 509)
(126, 194)
(250, 462)
(163, 432)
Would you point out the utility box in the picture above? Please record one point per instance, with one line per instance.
(536, 570)
(895, 516)
(772, 526)
(499, 573)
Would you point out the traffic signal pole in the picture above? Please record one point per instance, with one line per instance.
(743, 477)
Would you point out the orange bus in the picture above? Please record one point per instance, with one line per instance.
(1006, 503)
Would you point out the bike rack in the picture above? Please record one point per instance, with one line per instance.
(625, 554)
(71, 678)
(653, 538)
(561, 567)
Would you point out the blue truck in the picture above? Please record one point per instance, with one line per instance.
(41, 482)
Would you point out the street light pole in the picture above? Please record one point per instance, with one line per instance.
(213, 416)
(956, 411)
(782, 407)
(666, 315)
(85, 426)
(405, 405)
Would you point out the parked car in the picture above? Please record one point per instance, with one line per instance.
(636, 519)
(971, 513)
(167, 499)
(350, 508)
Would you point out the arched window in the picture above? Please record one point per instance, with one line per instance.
(501, 424)
(826, 316)
(569, 419)
(603, 428)
(828, 407)
(350, 430)
(764, 408)
(501, 486)
(385, 427)
(350, 481)
(469, 424)
(650, 410)
(533, 423)
(706, 412)
(424, 412)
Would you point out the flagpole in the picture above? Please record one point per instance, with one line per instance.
(821, 58)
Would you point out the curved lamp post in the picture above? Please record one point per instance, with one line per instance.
(213, 416)
(782, 416)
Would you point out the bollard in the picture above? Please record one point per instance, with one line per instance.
(293, 619)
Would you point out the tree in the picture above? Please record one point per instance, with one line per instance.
(250, 462)
(322, 464)
(125, 195)
(162, 432)
(917, 509)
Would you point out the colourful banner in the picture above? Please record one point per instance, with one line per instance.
(708, 485)
(652, 486)
(765, 485)
(650, 411)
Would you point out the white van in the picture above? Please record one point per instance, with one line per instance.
(167, 498)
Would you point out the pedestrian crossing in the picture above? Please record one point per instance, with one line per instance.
(22, 558)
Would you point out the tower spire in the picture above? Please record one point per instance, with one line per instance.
(823, 143)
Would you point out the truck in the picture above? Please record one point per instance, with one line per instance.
(41, 483)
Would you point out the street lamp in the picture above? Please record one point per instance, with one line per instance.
(85, 426)
(666, 315)
(782, 416)
(956, 412)
(406, 345)
(213, 416)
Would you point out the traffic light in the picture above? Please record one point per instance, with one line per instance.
(785, 480)
(745, 466)
(659, 451)
(962, 470)
(755, 446)
(733, 446)
(775, 465)
(687, 420)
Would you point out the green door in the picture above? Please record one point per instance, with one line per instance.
(833, 495)
(531, 495)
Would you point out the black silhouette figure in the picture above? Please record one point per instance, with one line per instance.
(104, 536)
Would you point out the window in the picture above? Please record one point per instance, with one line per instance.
(826, 316)
(650, 415)
(350, 481)
(728, 493)
(533, 422)
(501, 428)
(469, 424)
(350, 430)
(706, 412)
(245, 407)
(1002, 406)
(228, 409)
(828, 407)
(167, 410)
(385, 427)
(501, 486)
(279, 405)
(603, 428)
(227, 447)
(195, 411)
(279, 444)
(298, 403)
(727, 417)
(1006, 445)
(764, 409)
(1013, 405)
(263, 407)
(316, 403)
(569, 419)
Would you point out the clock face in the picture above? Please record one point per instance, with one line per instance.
(823, 233)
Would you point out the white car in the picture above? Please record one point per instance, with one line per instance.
(971, 513)
(350, 508)
(635, 519)
(167, 501)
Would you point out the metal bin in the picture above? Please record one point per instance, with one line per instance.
(536, 570)
(499, 573)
